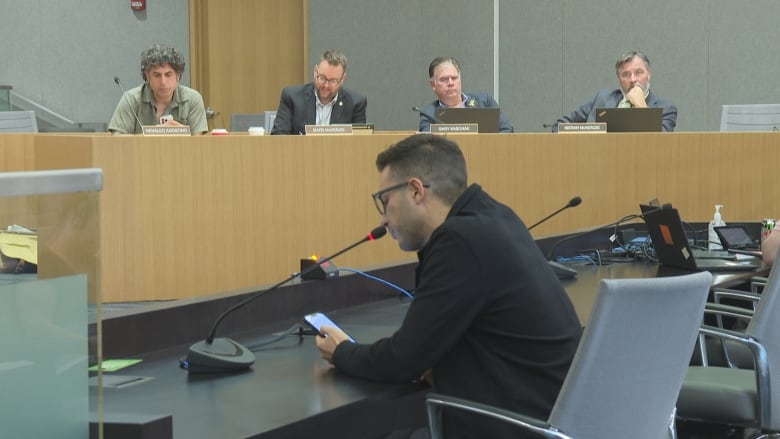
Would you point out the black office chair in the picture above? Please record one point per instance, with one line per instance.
(746, 398)
(243, 121)
(627, 372)
(731, 309)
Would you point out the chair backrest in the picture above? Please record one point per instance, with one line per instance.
(242, 122)
(764, 327)
(754, 117)
(18, 122)
(633, 357)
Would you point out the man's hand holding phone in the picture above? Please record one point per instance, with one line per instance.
(169, 121)
(329, 340)
(330, 334)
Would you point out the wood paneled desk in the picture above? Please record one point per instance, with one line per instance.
(185, 217)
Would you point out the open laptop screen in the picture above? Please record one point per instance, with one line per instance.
(735, 237)
(671, 244)
(487, 118)
(631, 120)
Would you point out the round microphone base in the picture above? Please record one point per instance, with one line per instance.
(222, 355)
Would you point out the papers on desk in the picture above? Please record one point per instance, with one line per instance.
(21, 244)
(114, 365)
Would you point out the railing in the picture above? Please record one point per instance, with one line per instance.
(48, 120)
(5, 98)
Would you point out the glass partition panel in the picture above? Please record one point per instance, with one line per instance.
(49, 303)
(5, 98)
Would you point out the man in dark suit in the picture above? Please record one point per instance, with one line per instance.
(321, 102)
(633, 72)
(446, 83)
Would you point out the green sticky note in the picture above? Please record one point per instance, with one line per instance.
(114, 365)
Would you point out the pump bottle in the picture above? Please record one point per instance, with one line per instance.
(717, 221)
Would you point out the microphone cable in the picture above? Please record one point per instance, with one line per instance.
(615, 225)
(299, 330)
(380, 280)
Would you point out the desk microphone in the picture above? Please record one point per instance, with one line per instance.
(137, 119)
(574, 202)
(561, 271)
(666, 206)
(222, 354)
(429, 116)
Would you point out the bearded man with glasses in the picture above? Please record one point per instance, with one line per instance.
(321, 102)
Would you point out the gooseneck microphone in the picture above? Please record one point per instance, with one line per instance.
(214, 355)
(617, 223)
(561, 271)
(574, 202)
(137, 119)
(426, 114)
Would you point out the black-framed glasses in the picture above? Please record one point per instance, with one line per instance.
(380, 201)
(323, 79)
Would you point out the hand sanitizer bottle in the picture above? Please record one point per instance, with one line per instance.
(717, 221)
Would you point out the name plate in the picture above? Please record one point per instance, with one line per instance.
(586, 127)
(362, 128)
(319, 130)
(152, 130)
(461, 128)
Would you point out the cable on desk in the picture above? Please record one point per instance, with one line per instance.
(295, 329)
(380, 280)
(579, 258)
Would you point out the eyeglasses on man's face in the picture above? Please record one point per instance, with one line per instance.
(323, 79)
(380, 199)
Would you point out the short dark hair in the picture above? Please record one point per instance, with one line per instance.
(159, 55)
(434, 159)
(439, 61)
(334, 58)
(628, 56)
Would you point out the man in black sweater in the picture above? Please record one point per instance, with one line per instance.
(490, 322)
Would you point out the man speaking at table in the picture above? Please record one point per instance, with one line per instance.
(490, 321)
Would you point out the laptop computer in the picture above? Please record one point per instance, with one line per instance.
(698, 252)
(736, 239)
(672, 248)
(631, 120)
(487, 118)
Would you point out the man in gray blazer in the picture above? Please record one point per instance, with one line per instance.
(446, 83)
(321, 102)
(633, 72)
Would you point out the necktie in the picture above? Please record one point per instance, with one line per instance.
(624, 103)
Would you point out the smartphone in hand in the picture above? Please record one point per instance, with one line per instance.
(317, 320)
